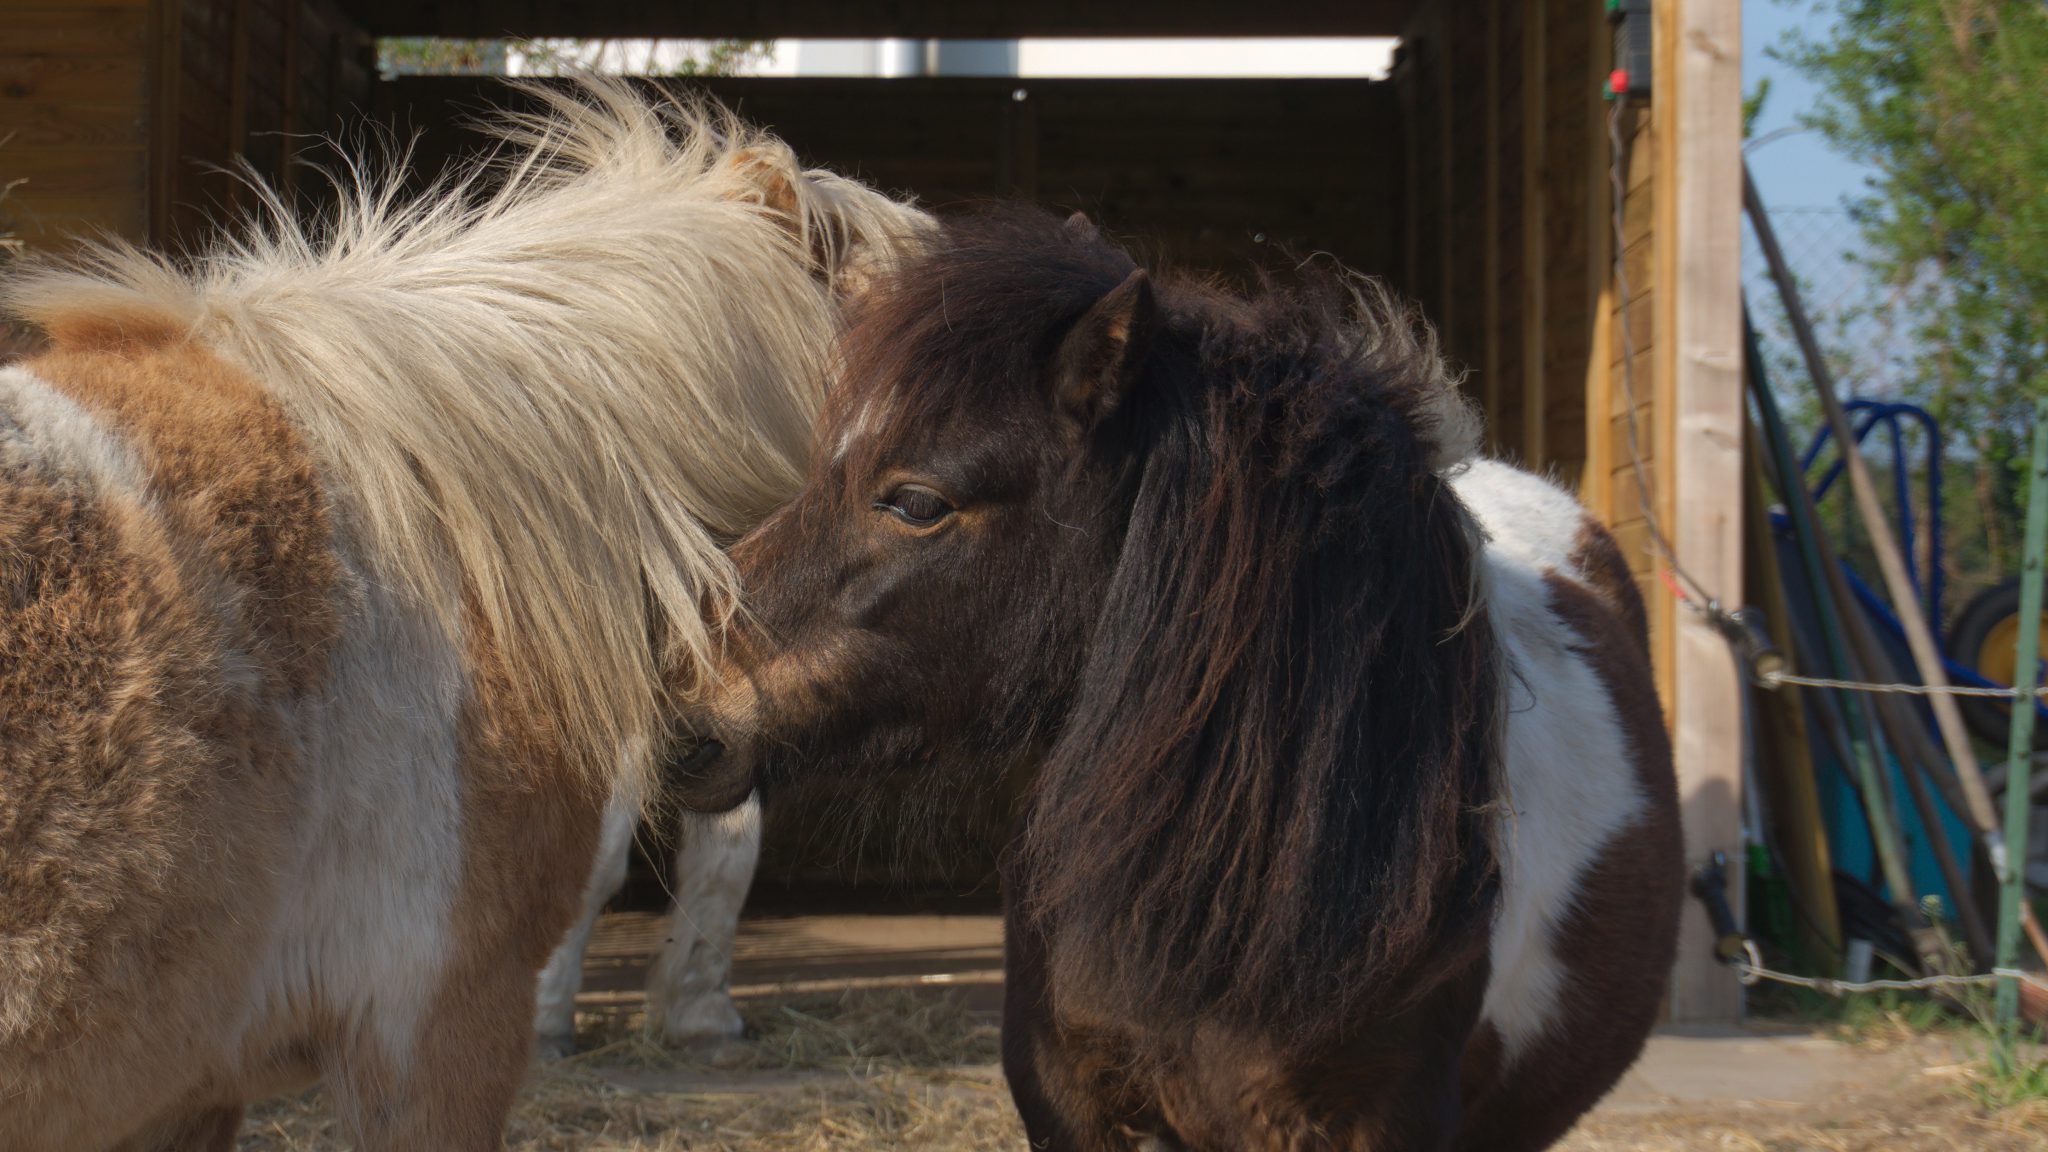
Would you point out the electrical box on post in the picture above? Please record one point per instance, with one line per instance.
(1631, 22)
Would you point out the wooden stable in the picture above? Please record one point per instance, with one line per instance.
(1476, 180)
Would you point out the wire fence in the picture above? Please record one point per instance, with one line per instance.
(1864, 325)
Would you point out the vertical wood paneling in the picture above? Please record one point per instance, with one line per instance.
(1535, 139)
(74, 117)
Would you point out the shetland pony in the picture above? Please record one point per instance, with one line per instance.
(344, 575)
(1355, 825)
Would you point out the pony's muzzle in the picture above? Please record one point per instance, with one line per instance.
(711, 778)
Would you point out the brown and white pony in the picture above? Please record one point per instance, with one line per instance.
(345, 574)
(1356, 824)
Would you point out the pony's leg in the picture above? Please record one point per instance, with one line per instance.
(689, 998)
(453, 1091)
(555, 1016)
(444, 1077)
(1058, 1116)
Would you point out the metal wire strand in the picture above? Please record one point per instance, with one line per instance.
(1752, 974)
(1776, 679)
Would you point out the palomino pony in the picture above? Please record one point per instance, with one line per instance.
(344, 576)
(1356, 824)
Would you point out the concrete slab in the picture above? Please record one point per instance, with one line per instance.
(1682, 1069)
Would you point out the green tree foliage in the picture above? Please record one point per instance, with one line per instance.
(1947, 100)
(442, 56)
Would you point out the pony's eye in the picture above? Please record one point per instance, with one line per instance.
(916, 505)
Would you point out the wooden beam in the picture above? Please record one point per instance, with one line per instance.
(238, 95)
(290, 113)
(1596, 481)
(1702, 349)
(1491, 336)
(938, 19)
(167, 33)
(1533, 271)
(1447, 308)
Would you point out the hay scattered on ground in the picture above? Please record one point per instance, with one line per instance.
(862, 1070)
(914, 1069)
(859, 1030)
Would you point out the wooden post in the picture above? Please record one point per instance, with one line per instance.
(1596, 481)
(1533, 271)
(1449, 313)
(238, 98)
(1699, 98)
(1491, 335)
(166, 74)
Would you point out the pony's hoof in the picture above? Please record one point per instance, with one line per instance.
(558, 1047)
(704, 1023)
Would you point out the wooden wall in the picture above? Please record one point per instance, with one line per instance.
(74, 116)
(1510, 247)
(1218, 174)
(1507, 149)
(116, 114)
(252, 80)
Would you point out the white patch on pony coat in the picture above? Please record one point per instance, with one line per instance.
(867, 418)
(1571, 783)
(363, 928)
(41, 424)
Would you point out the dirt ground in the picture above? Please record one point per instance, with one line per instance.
(879, 1032)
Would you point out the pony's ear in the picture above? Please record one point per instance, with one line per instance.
(1099, 359)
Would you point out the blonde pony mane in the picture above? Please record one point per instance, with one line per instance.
(551, 386)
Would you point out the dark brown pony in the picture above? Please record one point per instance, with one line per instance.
(1193, 556)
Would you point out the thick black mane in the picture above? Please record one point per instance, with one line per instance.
(1268, 801)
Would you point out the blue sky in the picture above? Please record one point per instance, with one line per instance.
(1797, 170)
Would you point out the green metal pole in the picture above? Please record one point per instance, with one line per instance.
(2020, 741)
(1861, 720)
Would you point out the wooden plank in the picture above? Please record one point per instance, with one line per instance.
(54, 224)
(1659, 211)
(1493, 337)
(71, 32)
(1448, 312)
(80, 80)
(238, 91)
(291, 110)
(1706, 418)
(76, 172)
(168, 35)
(1534, 272)
(1595, 487)
(938, 19)
(61, 124)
